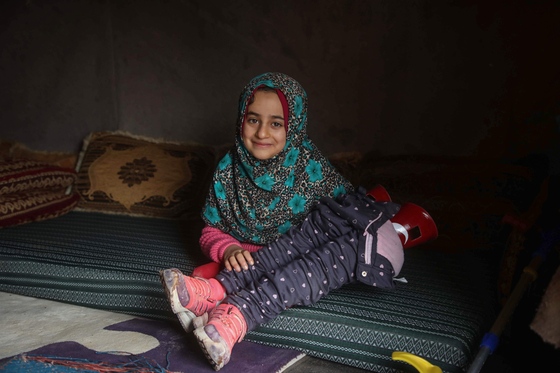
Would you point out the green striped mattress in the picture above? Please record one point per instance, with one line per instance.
(111, 262)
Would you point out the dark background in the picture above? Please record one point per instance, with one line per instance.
(478, 78)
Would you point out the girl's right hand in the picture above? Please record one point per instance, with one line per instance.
(235, 257)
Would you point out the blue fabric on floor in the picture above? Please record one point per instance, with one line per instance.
(19, 365)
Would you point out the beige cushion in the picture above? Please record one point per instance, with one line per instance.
(122, 173)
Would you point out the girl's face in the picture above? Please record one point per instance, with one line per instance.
(264, 134)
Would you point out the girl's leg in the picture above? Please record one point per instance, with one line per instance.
(302, 281)
(320, 227)
(191, 297)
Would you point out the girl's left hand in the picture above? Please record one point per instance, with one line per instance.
(235, 257)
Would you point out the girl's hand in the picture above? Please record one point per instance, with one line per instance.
(235, 257)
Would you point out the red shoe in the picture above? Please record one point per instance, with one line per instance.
(414, 225)
(379, 194)
(226, 326)
(190, 297)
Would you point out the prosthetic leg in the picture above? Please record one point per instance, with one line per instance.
(413, 224)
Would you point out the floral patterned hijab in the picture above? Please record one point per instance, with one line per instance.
(257, 200)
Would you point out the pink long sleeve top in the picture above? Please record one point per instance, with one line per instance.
(214, 243)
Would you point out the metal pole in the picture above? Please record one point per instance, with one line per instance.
(529, 275)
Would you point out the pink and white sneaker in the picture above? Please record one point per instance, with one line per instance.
(190, 297)
(226, 326)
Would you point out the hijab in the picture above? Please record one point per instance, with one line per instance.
(257, 200)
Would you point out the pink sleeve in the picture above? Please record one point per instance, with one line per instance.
(214, 242)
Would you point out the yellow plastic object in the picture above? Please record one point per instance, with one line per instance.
(417, 362)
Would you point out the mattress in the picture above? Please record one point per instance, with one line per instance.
(440, 311)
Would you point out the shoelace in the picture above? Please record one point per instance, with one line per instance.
(203, 290)
(234, 324)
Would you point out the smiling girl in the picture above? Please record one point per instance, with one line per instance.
(275, 189)
(272, 176)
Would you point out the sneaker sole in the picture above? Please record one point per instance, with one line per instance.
(200, 321)
(184, 315)
(216, 352)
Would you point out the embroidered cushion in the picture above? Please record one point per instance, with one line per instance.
(133, 175)
(35, 205)
(23, 175)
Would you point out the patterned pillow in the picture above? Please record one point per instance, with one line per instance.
(126, 174)
(35, 205)
(10, 149)
(23, 175)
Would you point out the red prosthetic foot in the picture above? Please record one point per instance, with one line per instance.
(379, 194)
(414, 225)
(208, 270)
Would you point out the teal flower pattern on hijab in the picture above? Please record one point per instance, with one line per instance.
(255, 200)
(284, 227)
(290, 181)
(211, 214)
(220, 190)
(314, 170)
(297, 204)
(298, 105)
(224, 162)
(272, 205)
(291, 157)
(265, 182)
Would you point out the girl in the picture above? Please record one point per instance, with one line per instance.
(263, 192)
(270, 179)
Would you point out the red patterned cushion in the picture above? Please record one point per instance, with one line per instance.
(35, 205)
(17, 176)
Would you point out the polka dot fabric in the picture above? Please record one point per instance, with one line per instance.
(324, 253)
